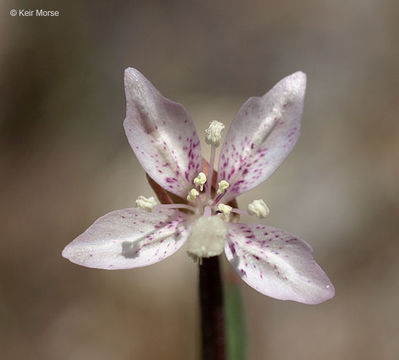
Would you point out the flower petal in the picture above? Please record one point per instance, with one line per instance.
(128, 238)
(161, 134)
(277, 264)
(261, 135)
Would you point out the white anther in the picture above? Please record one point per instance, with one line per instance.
(146, 204)
(258, 208)
(214, 133)
(192, 195)
(200, 180)
(223, 185)
(225, 209)
(207, 237)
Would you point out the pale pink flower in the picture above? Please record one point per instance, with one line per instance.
(164, 139)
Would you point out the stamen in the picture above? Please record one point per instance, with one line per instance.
(213, 136)
(218, 198)
(192, 195)
(200, 180)
(210, 172)
(223, 186)
(214, 133)
(146, 204)
(225, 209)
(258, 208)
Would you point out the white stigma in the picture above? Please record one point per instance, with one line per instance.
(200, 180)
(258, 208)
(146, 204)
(214, 133)
(225, 209)
(192, 195)
(207, 237)
(223, 185)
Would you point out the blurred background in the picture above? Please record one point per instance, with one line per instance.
(65, 161)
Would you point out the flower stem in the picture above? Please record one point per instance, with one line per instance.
(211, 302)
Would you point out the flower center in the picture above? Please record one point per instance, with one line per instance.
(208, 229)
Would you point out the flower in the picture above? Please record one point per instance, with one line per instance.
(164, 139)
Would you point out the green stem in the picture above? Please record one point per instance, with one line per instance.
(235, 324)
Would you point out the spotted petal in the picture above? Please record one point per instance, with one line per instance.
(128, 238)
(261, 135)
(161, 134)
(277, 264)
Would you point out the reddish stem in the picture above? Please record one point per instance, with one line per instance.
(211, 301)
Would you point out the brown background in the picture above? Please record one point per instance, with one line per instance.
(64, 161)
